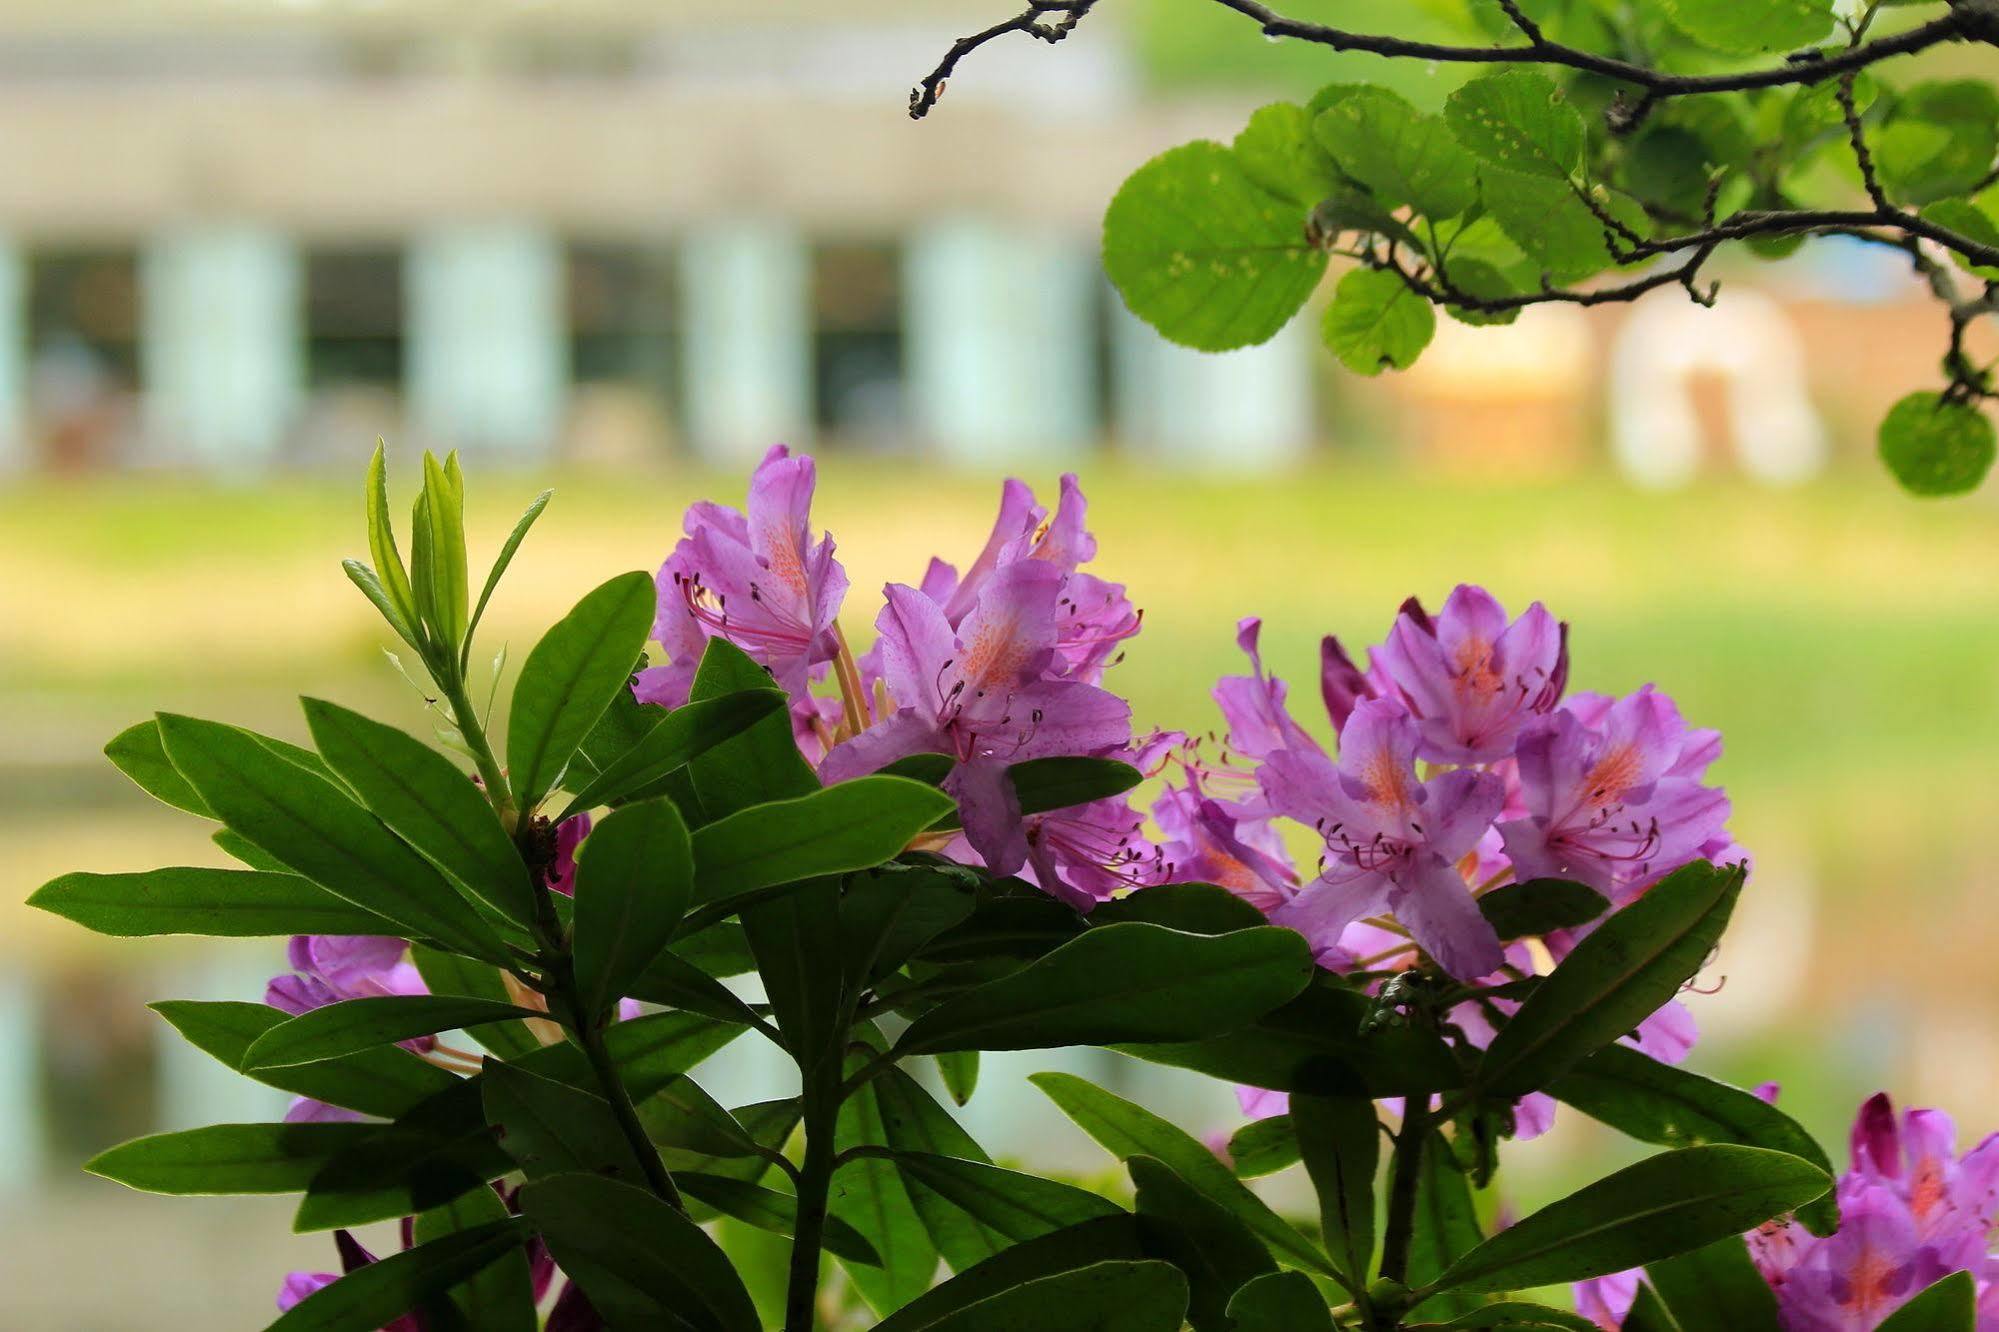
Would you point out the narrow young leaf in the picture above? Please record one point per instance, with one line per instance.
(641, 1263)
(634, 879)
(1622, 973)
(318, 830)
(1662, 1206)
(364, 578)
(428, 801)
(137, 752)
(378, 1293)
(1950, 1305)
(362, 1024)
(1340, 1139)
(570, 678)
(443, 502)
(386, 1082)
(220, 902)
(390, 574)
(1127, 1130)
(676, 739)
(500, 1297)
(1128, 982)
(505, 558)
(227, 1158)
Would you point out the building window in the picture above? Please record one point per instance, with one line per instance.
(857, 344)
(83, 353)
(354, 318)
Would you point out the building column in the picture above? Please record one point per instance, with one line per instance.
(1247, 411)
(488, 339)
(746, 331)
(22, 1163)
(1001, 332)
(221, 343)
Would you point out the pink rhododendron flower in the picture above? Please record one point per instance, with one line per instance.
(569, 835)
(329, 968)
(1471, 679)
(1392, 841)
(754, 577)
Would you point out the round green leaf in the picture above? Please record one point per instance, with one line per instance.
(1277, 151)
(1375, 322)
(1934, 447)
(1204, 254)
(1519, 120)
(1744, 26)
(1402, 155)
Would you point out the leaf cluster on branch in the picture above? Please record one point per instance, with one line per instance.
(1596, 153)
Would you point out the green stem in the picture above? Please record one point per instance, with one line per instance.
(453, 686)
(591, 1037)
(1404, 1180)
(814, 1186)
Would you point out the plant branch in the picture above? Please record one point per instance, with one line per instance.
(1035, 21)
(813, 1185)
(1404, 1180)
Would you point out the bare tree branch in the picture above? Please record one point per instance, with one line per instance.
(1035, 21)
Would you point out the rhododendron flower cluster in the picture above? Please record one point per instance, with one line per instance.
(1911, 1212)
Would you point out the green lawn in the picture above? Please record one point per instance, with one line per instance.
(1846, 640)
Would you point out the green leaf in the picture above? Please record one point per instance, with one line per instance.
(1743, 27)
(652, 1051)
(1514, 1315)
(389, 572)
(1196, 908)
(1623, 972)
(1446, 1225)
(1939, 139)
(1966, 218)
(634, 878)
(434, 1152)
(671, 980)
(571, 677)
(1340, 1140)
(227, 1158)
(887, 916)
(1130, 982)
(767, 1209)
(220, 902)
(855, 825)
(361, 1024)
(1664, 1205)
(870, 1195)
(1280, 1302)
(1672, 1107)
(680, 1116)
(1519, 120)
(1541, 906)
(1947, 1306)
(1067, 780)
(912, 1122)
(1402, 155)
(138, 752)
(500, 1298)
(802, 976)
(1376, 323)
(247, 852)
(448, 973)
(1202, 253)
(1106, 1297)
(447, 593)
(1276, 150)
(1107, 1239)
(1716, 1286)
(555, 1129)
(1936, 448)
(761, 764)
(1552, 226)
(674, 740)
(380, 1292)
(385, 1082)
(428, 801)
(960, 1071)
(1649, 1313)
(1264, 1147)
(1202, 1238)
(1127, 1130)
(505, 558)
(1017, 1206)
(318, 830)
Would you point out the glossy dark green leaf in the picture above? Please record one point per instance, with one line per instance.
(1950, 1305)
(218, 902)
(361, 1024)
(1067, 780)
(1204, 254)
(1264, 1147)
(1107, 1239)
(852, 826)
(1129, 982)
(1541, 906)
(1513, 1316)
(1280, 1302)
(508, 548)
(683, 1117)
(1127, 1130)
(434, 1152)
(913, 1123)
(385, 1082)
(551, 1128)
(887, 915)
(1446, 1226)
(634, 879)
(1937, 448)
(640, 1263)
(767, 1209)
(320, 831)
(138, 752)
(760, 765)
(870, 1195)
(960, 1071)
(1340, 1140)
(1649, 1313)
(500, 1297)
(1106, 1297)
(802, 973)
(653, 1050)
(428, 801)
(674, 982)
(1662, 1206)
(675, 739)
(1623, 972)
(1197, 908)
(1016, 1205)
(227, 1158)
(570, 678)
(1716, 1285)
(1203, 1239)
(448, 973)
(380, 1292)
(1674, 1107)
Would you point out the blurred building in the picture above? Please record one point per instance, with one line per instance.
(248, 232)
